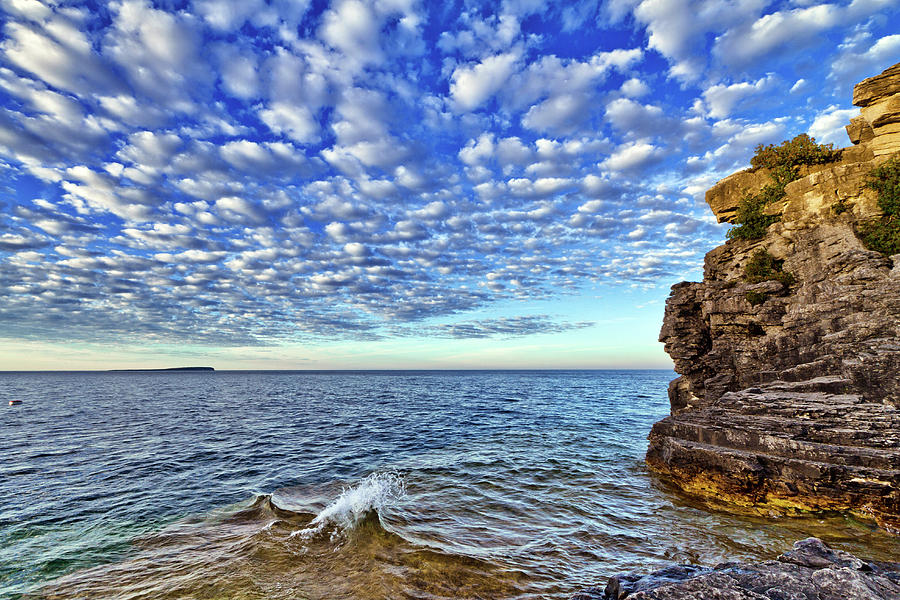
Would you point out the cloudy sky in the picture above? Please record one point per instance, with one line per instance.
(391, 183)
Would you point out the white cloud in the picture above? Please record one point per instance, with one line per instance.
(159, 53)
(253, 157)
(635, 88)
(677, 28)
(68, 64)
(828, 126)
(511, 151)
(150, 149)
(30, 9)
(473, 86)
(789, 30)
(353, 28)
(478, 151)
(552, 77)
(858, 61)
(559, 115)
(239, 74)
(638, 120)
(721, 99)
(238, 209)
(227, 15)
(540, 188)
(293, 121)
(632, 156)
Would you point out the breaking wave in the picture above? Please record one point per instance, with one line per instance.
(354, 505)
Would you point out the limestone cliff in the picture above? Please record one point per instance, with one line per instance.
(789, 394)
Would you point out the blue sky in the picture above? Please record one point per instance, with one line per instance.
(388, 184)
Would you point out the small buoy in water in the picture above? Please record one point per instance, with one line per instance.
(14, 402)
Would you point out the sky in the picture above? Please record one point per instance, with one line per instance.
(337, 184)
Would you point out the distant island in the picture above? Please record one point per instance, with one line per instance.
(169, 369)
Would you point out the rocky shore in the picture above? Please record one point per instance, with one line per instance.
(810, 570)
(790, 384)
(788, 353)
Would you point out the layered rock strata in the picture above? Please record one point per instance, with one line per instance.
(789, 394)
(810, 570)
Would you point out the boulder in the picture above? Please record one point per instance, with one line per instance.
(810, 570)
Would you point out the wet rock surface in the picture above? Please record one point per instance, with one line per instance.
(789, 395)
(810, 571)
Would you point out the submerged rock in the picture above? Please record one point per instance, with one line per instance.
(811, 570)
(789, 395)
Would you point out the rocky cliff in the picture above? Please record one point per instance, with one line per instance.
(789, 394)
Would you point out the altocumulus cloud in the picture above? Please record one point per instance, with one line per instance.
(265, 171)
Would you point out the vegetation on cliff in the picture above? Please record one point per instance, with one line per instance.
(784, 162)
(786, 159)
(883, 234)
(762, 266)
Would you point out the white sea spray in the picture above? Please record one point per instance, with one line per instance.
(354, 503)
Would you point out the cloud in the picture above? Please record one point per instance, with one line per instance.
(632, 156)
(239, 73)
(559, 114)
(472, 86)
(57, 52)
(722, 99)
(292, 121)
(790, 30)
(635, 88)
(159, 53)
(281, 172)
(828, 126)
(864, 59)
(638, 120)
(677, 29)
(478, 151)
(506, 327)
(267, 157)
(352, 27)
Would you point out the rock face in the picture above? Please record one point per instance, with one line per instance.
(789, 396)
(810, 570)
(879, 98)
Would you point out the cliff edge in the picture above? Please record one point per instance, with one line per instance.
(789, 349)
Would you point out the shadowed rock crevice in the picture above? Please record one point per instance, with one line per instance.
(789, 389)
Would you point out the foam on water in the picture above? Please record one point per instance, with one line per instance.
(355, 503)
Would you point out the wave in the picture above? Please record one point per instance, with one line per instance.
(355, 505)
(317, 541)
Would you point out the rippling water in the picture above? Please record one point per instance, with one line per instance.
(361, 485)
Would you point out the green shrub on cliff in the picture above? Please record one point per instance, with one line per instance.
(755, 297)
(883, 234)
(762, 266)
(752, 222)
(784, 161)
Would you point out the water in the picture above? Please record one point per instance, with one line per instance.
(361, 485)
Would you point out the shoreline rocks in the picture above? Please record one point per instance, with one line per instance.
(789, 391)
(809, 570)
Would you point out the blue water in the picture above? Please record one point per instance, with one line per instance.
(518, 484)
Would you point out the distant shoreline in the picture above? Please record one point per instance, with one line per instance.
(169, 369)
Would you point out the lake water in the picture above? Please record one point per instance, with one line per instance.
(360, 485)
